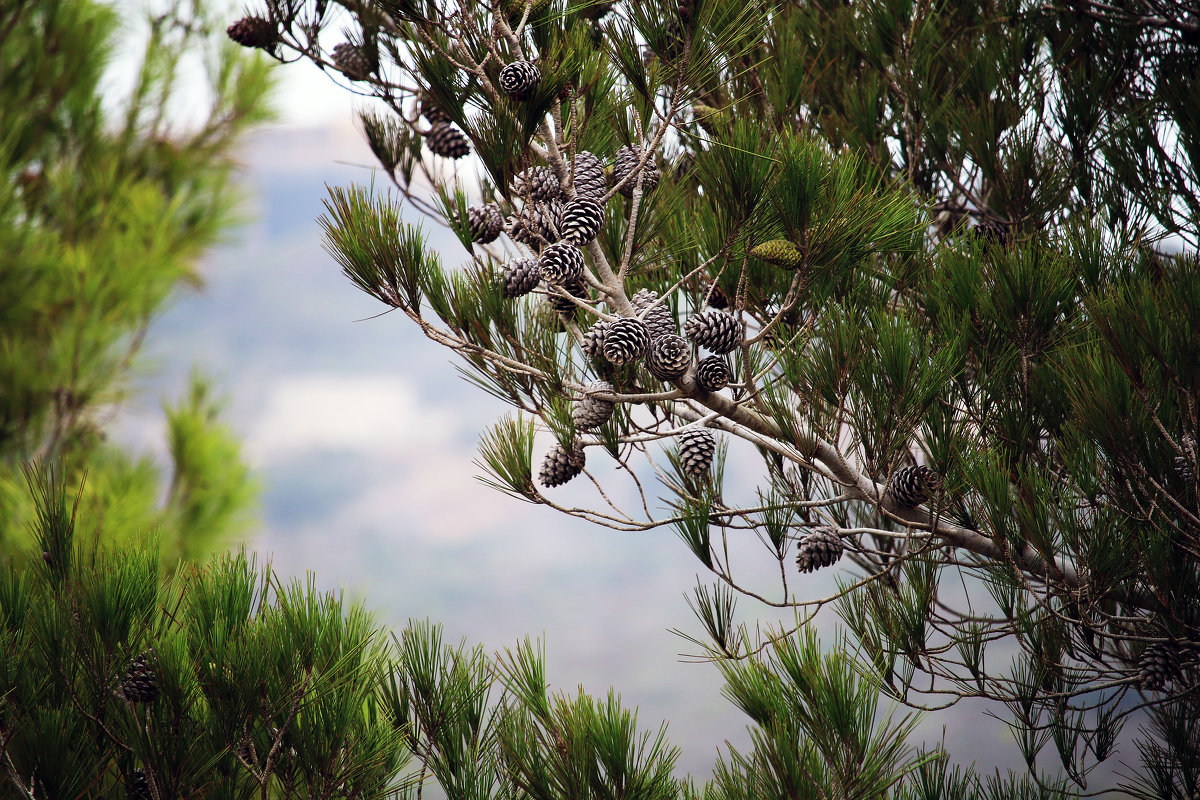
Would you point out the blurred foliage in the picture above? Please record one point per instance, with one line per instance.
(105, 205)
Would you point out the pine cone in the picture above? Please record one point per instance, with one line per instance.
(658, 317)
(589, 178)
(624, 163)
(590, 411)
(137, 786)
(352, 61)
(561, 466)
(561, 262)
(1161, 663)
(712, 374)
(582, 218)
(431, 111)
(537, 224)
(520, 277)
(447, 141)
(821, 547)
(519, 79)
(593, 340)
(716, 330)
(696, 449)
(911, 486)
(626, 340)
(538, 184)
(140, 684)
(779, 252)
(253, 32)
(716, 297)
(564, 306)
(669, 357)
(485, 223)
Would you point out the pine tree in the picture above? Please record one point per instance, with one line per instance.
(105, 205)
(269, 688)
(955, 252)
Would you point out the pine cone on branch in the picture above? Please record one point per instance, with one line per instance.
(624, 163)
(697, 446)
(520, 79)
(485, 223)
(447, 141)
(589, 410)
(626, 340)
(521, 275)
(712, 374)
(253, 32)
(561, 466)
(911, 486)
(352, 61)
(656, 315)
(715, 330)
(140, 683)
(820, 547)
(669, 357)
(588, 176)
(582, 218)
(538, 184)
(561, 262)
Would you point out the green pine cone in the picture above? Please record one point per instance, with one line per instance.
(779, 252)
(709, 118)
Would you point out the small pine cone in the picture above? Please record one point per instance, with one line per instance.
(252, 32)
(716, 297)
(593, 340)
(696, 449)
(589, 178)
(564, 305)
(561, 466)
(779, 252)
(519, 79)
(624, 163)
(590, 411)
(537, 224)
(137, 786)
(538, 184)
(485, 223)
(716, 330)
(669, 357)
(351, 60)
(658, 317)
(712, 374)
(432, 112)
(447, 141)
(626, 340)
(820, 547)
(140, 684)
(521, 275)
(561, 262)
(1161, 663)
(911, 486)
(582, 218)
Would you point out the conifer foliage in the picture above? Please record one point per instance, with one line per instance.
(950, 254)
(228, 682)
(107, 201)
